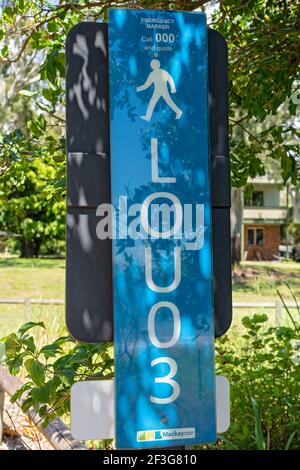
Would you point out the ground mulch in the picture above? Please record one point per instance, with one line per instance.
(19, 432)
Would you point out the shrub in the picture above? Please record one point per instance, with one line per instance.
(262, 367)
(50, 370)
(264, 374)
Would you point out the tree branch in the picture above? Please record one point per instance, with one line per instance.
(104, 5)
(238, 123)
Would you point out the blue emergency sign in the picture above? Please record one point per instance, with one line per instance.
(162, 250)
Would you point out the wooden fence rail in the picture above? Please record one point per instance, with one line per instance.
(277, 306)
(28, 300)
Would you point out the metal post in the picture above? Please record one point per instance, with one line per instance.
(287, 223)
(278, 311)
(27, 303)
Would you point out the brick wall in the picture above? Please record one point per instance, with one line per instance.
(271, 242)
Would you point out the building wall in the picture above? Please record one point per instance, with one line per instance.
(271, 194)
(271, 242)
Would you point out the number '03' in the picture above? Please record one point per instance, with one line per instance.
(171, 363)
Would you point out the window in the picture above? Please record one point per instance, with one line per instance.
(255, 237)
(250, 236)
(256, 199)
(259, 237)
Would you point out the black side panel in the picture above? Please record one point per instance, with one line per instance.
(86, 185)
(89, 264)
(222, 270)
(88, 283)
(89, 311)
(87, 88)
(220, 179)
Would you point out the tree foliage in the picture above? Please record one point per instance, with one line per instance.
(51, 369)
(262, 367)
(263, 46)
(29, 211)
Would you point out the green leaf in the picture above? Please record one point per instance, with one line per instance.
(4, 51)
(290, 439)
(8, 11)
(2, 353)
(42, 122)
(48, 95)
(17, 395)
(15, 364)
(12, 345)
(60, 183)
(43, 410)
(29, 343)
(27, 404)
(52, 26)
(51, 350)
(37, 373)
(28, 364)
(260, 441)
(27, 326)
(28, 93)
(42, 394)
(67, 377)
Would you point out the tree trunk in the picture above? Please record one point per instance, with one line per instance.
(30, 249)
(236, 224)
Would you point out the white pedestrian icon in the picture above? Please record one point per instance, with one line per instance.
(160, 79)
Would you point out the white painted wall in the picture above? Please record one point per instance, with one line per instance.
(271, 194)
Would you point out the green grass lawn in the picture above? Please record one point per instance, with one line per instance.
(258, 282)
(45, 278)
(32, 278)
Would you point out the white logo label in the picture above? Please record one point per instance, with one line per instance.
(166, 434)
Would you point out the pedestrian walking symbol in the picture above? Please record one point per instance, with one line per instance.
(160, 79)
